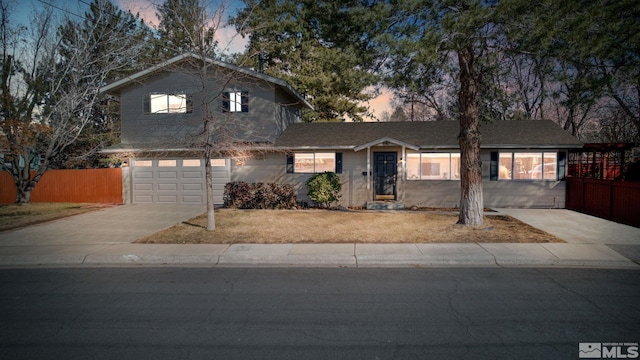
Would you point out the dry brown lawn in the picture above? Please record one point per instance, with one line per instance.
(15, 216)
(326, 226)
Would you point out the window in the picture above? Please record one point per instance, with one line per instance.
(168, 104)
(167, 163)
(433, 166)
(143, 163)
(190, 162)
(526, 166)
(218, 162)
(314, 162)
(235, 101)
(506, 168)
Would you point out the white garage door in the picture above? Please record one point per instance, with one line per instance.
(177, 181)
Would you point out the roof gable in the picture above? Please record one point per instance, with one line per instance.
(115, 86)
(384, 141)
(425, 135)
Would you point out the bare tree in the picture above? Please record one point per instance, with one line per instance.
(49, 87)
(220, 135)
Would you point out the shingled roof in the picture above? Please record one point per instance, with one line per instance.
(424, 135)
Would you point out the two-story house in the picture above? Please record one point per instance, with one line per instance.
(381, 165)
(163, 111)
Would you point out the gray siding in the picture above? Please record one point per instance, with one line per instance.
(269, 167)
(287, 112)
(502, 193)
(422, 193)
(269, 110)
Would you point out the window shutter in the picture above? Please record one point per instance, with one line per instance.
(562, 165)
(338, 163)
(147, 104)
(290, 164)
(189, 103)
(493, 168)
(225, 102)
(244, 98)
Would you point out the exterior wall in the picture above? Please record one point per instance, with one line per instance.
(501, 193)
(261, 123)
(421, 193)
(516, 194)
(272, 168)
(524, 194)
(286, 113)
(127, 183)
(354, 179)
(269, 167)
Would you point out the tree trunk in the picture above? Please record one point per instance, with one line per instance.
(211, 221)
(471, 199)
(23, 194)
(21, 175)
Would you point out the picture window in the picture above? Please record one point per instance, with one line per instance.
(168, 104)
(528, 166)
(433, 166)
(314, 162)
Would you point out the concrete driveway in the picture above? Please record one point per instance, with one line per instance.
(577, 228)
(117, 225)
(582, 231)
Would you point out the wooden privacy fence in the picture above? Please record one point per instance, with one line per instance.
(609, 199)
(79, 186)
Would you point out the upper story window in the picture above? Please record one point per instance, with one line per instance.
(168, 104)
(433, 166)
(235, 101)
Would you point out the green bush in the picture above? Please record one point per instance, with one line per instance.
(324, 188)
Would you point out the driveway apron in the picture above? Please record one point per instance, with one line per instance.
(117, 225)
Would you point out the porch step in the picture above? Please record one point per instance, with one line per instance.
(385, 205)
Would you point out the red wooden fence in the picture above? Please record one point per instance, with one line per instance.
(614, 200)
(79, 186)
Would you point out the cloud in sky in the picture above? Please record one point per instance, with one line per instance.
(146, 9)
(228, 39)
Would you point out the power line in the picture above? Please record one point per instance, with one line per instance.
(112, 15)
(61, 9)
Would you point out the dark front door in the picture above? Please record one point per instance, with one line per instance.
(385, 171)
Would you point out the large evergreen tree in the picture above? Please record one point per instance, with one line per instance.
(186, 25)
(325, 49)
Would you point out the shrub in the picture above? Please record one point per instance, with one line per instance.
(237, 194)
(241, 195)
(324, 188)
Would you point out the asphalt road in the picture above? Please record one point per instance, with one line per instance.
(299, 313)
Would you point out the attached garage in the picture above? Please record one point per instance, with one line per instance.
(176, 181)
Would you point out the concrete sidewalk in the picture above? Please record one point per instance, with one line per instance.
(105, 237)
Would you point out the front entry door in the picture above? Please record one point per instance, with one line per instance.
(385, 171)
